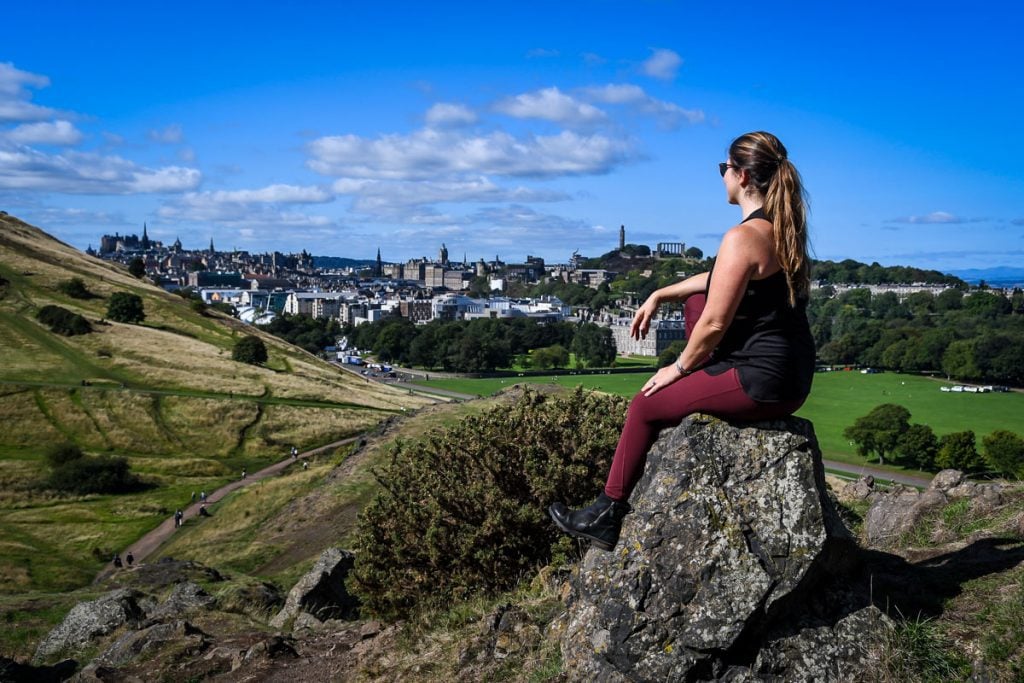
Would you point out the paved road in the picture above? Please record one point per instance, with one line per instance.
(143, 547)
(877, 473)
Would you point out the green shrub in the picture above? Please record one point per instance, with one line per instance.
(62, 321)
(104, 474)
(125, 307)
(250, 349)
(463, 511)
(75, 288)
(62, 453)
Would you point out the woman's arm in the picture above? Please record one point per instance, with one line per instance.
(678, 291)
(737, 261)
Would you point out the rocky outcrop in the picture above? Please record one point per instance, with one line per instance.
(894, 514)
(12, 671)
(88, 621)
(143, 643)
(186, 597)
(717, 571)
(321, 592)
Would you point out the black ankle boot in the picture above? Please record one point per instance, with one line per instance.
(600, 521)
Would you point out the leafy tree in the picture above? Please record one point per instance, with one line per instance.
(594, 345)
(694, 253)
(137, 267)
(879, 431)
(75, 288)
(917, 447)
(671, 354)
(957, 452)
(125, 307)
(250, 349)
(1004, 453)
(958, 360)
(62, 321)
(550, 357)
(461, 511)
(62, 453)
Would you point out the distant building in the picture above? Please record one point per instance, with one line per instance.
(659, 337)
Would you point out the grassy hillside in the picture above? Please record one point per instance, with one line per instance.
(164, 393)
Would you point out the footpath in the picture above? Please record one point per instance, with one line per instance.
(145, 546)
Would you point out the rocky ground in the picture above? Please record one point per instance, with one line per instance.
(753, 576)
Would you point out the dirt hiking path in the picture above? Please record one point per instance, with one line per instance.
(143, 547)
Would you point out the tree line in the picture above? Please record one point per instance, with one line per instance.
(886, 433)
(484, 344)
(977, 336)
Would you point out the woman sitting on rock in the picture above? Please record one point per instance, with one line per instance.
(749, 354)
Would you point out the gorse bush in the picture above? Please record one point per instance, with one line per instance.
(75, 288)
(125, 307)
(62, 321)
(250, 349)
(463, 511)
(104, 474)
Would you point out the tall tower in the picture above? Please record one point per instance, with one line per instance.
(442, 255)
(379, 272)
(211, 246)
(145, 237)
(622, 237)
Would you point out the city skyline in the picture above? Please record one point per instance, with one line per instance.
(511, 129)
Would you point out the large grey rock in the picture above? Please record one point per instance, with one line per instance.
(89, 620)
(897, 512)
(186, 597)
(321, 592)
(732, 530)
(143, 643)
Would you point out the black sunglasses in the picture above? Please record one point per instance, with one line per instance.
(723, 165)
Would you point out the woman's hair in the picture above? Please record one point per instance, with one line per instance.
(776, 178)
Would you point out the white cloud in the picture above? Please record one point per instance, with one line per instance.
(407, 201)
(47, 133)
(261, 207)
(282, 194)
(550, 104)
(428, 154)
(207, 207)
(667, 114)
(935, 217)
(15, 96)
(663, 64)
(593, 59)
(171, 135)
(444, 114)
(88, 173)
(52, 215)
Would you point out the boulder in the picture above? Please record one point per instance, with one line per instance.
(897, 512)
(731, 536)
(88, 621)
(186, 597)
(947, 479)
(321, 592)
(130, 646)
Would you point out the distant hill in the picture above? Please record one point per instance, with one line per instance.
(999, 276)
(338, 262)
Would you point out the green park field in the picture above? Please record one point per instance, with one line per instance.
(836, 400)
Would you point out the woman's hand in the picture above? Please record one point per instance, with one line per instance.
(662, 378)
(642, 320)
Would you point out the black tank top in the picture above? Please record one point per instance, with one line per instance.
(769, 342)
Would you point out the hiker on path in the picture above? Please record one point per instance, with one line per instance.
(129, 558)
(117, 561)
(179, 517)
(295, 452)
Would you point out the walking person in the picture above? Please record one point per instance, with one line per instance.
(179, 517)
(749, 354)
(129, 558)
(117, 561)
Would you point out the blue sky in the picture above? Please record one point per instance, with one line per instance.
(512, 128)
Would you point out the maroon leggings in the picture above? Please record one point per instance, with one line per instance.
(719, 395)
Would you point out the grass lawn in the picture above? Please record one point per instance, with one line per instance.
(836, 400)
